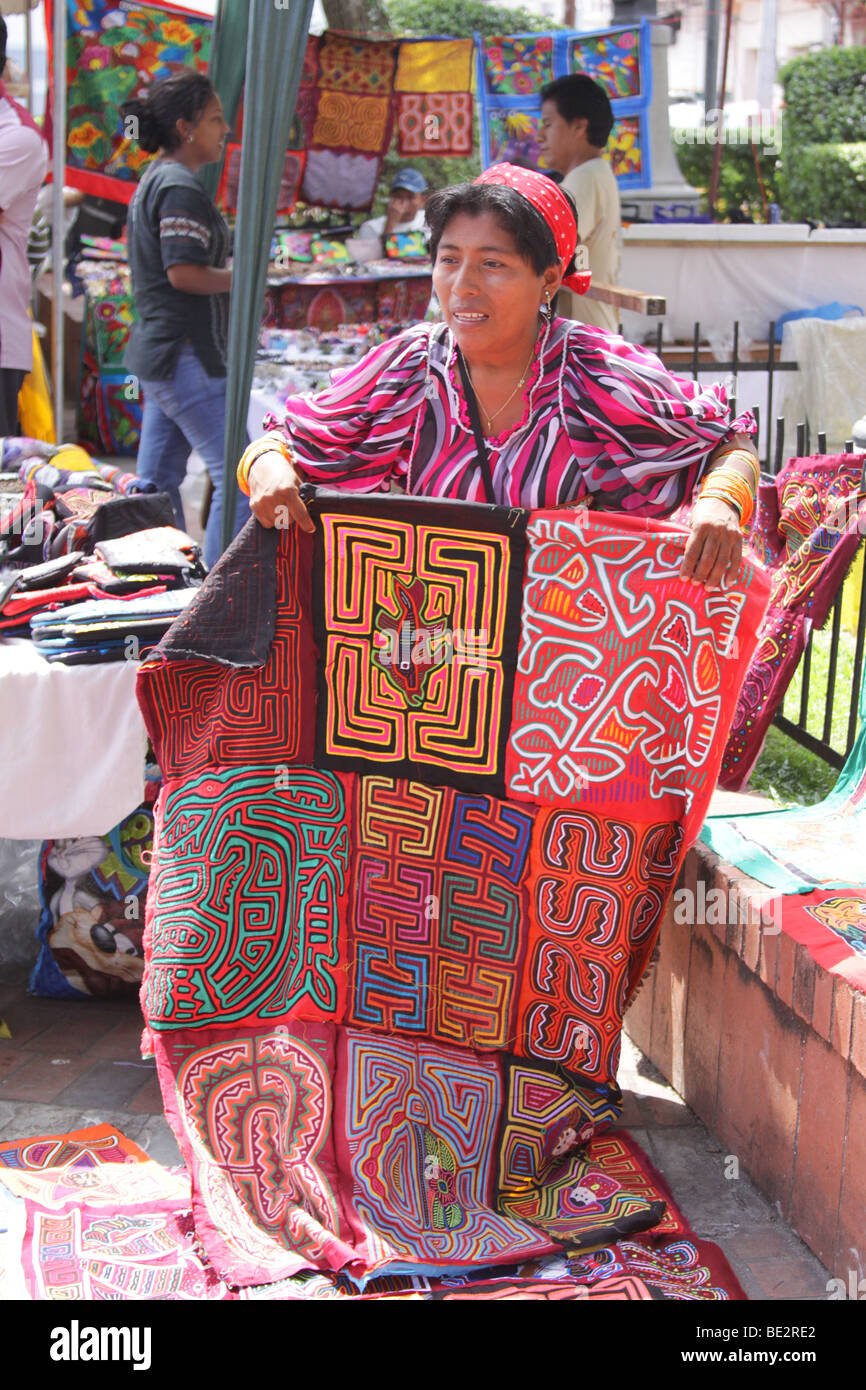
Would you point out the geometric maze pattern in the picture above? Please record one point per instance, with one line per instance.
(545, 1116)
(415, 624)
(204, 714)
(253, 1115)
(418, 1130)
(583, 1205)
(438, 910)
(246, 899)
(607, 1185)
(597, 888)
(143, 1253)
(83, 1148)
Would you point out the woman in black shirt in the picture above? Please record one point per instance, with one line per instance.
(177, 252)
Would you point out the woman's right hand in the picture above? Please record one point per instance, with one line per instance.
(275, 498)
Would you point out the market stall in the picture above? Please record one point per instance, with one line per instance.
(385, 292)
(93, 572)
(316, 319)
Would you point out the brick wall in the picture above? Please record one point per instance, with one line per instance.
(770, 1051)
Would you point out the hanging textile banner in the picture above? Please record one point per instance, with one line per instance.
(512, 69)
(809, 523)
(346, 101)
(434, 102)
(115, 49)
(293, 169)
(352, 92)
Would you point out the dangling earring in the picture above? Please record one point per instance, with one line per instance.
(545, 307)
(188, 138)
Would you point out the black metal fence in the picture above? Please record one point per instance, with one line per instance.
(690, 358)
(797, 729)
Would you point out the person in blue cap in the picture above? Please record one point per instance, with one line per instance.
(404, 212)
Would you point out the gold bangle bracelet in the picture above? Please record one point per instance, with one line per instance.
(740, 499)
(268, 444)
(722, 459)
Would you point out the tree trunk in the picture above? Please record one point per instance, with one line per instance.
(357, 16)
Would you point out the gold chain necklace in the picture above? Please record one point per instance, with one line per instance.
(521, 382)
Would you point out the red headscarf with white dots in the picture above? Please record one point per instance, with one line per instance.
(546, 197)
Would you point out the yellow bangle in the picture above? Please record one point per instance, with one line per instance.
(269, 444)
(729, 486)
(745, 457)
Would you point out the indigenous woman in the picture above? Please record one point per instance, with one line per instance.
(565, 413)
(327, 1142)
(177, 253)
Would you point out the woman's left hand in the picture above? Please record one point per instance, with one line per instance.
(715, 545)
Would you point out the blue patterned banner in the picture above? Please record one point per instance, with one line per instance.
(512, 69)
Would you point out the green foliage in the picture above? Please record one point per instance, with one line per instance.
(438, 170)
(789, 774)
(739, 192)
(460, 18)
(825, 184)
(825, 98)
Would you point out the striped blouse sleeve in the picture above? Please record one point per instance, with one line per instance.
(657, 430)
(358, 432)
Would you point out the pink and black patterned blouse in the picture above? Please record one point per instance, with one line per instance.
(602, 417)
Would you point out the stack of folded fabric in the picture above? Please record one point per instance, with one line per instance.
(75, 531)
(107, 629)
(158, 555)
(54, 499)
(148, 562)
(36, 588)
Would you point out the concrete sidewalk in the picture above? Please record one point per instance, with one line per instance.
(68, 1066)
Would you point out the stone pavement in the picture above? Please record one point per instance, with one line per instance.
(68, 1066)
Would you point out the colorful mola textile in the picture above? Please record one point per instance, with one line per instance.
(347, 105)
(83, 1148)
(385, 990)
(812, 857)
(690, 1270)
(808, 847)
(293, 169)
(434, 123)
(514, 137)
(807, 530)
(112, 53)
(603, 1192)
(626, 673)
(416, 625)
(512, 69)
(106, 1231)
(832, 927)
(434, 102)
(122, 1228)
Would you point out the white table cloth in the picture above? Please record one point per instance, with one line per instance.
(72, 745)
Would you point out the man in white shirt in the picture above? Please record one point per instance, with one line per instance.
(576, 121)
(404, 213)
(23, 162)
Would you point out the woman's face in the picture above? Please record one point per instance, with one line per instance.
(490, 296)
(208, 133)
